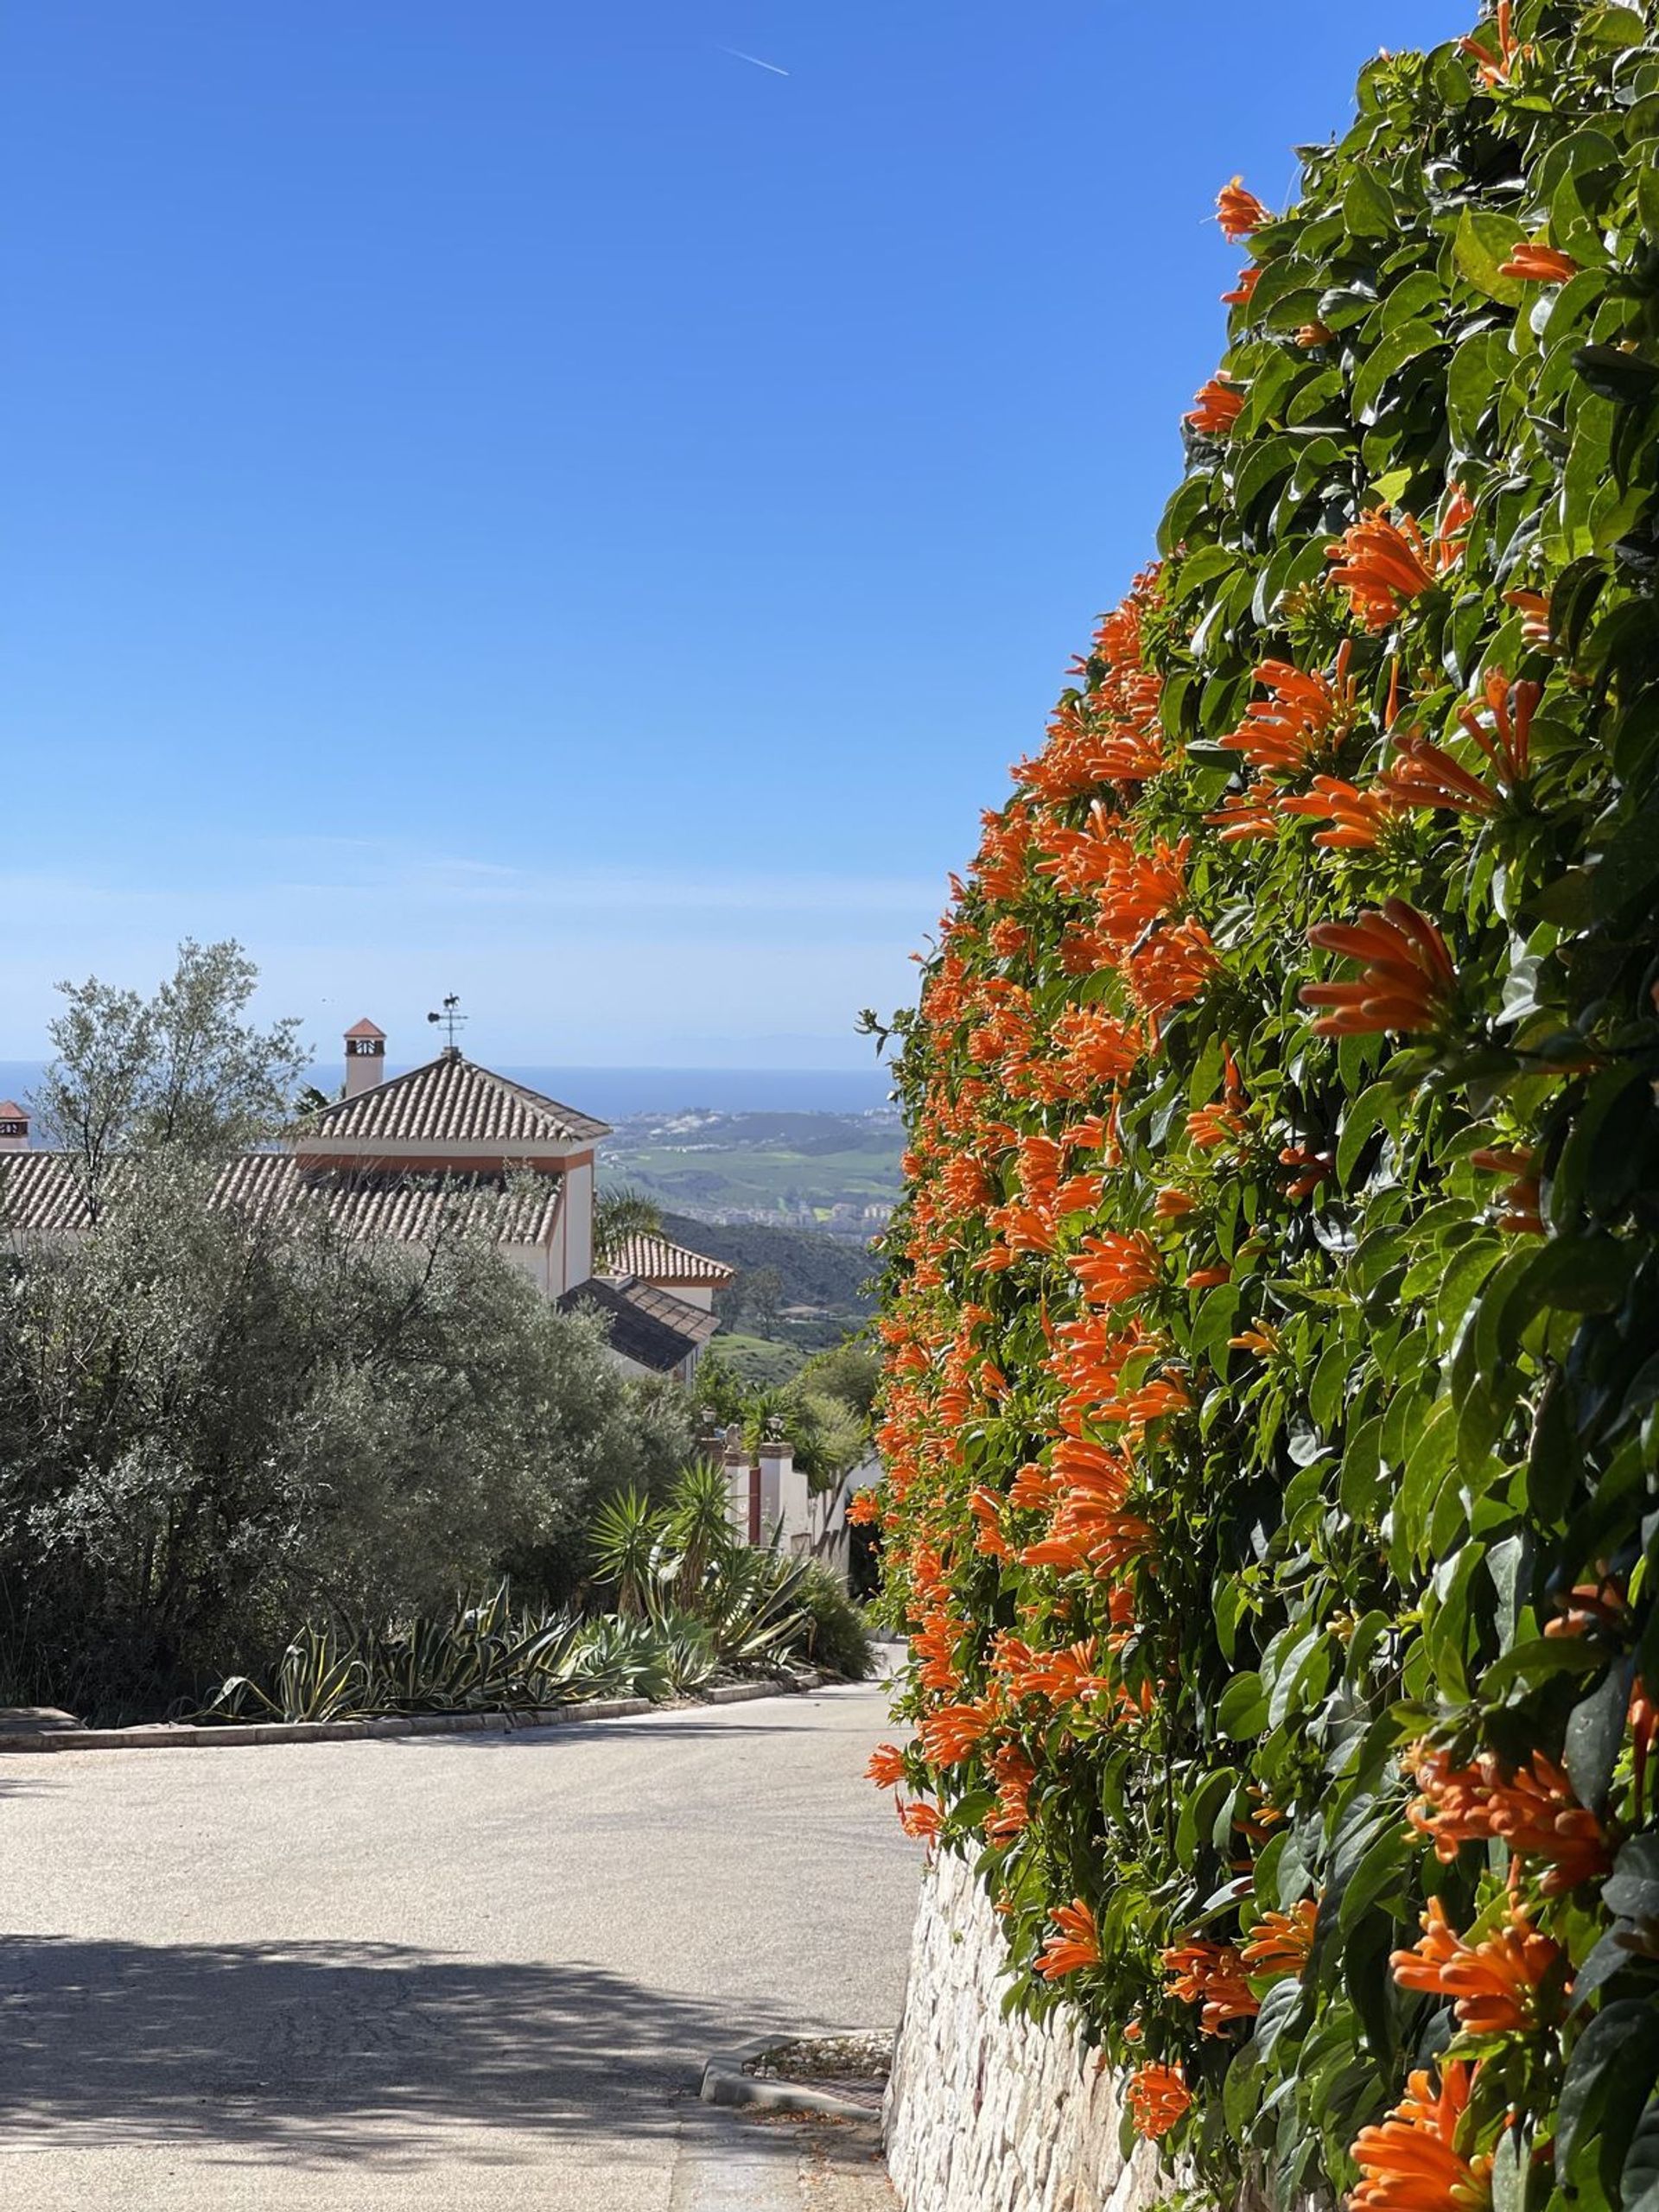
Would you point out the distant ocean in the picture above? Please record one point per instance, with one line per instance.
(614, 1093)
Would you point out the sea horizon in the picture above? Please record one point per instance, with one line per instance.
(615, 1093)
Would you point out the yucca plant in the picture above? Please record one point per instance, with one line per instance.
(627, 1540)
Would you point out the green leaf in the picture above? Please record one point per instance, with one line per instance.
(1638, 2181)
(1632, 1890)
(1614, 374)
(1595, 1736)
(1241, 1712)
(1367, 209)
(1396, 352)
(1608, 2081)
(1483, 242)
(1480, 369)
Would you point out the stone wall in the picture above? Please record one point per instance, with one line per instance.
(986, 2114)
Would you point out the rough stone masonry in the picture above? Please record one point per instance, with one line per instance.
(988, 2113)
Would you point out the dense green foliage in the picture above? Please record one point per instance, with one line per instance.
(1272, 1417)
(813, 1268)
(215, 1420)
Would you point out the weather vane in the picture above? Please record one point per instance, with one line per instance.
(452, 1017)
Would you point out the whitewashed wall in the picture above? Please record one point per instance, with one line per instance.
(992, 2114)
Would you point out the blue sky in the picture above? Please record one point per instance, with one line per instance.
(522, 500)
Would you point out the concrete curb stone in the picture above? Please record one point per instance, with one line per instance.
(172, 1735)
(725, 2082)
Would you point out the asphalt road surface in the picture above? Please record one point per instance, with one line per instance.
(433, 1971)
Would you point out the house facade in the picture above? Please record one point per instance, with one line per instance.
(397, 1154)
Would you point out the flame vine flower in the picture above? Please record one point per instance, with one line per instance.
(1260, 1396)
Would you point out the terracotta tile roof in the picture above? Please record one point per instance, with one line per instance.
(403, 1207)
(451, 1100)
(366, 1029)
(41, 1195)
(10, 1111)
(649, 1339)
(656, 1260)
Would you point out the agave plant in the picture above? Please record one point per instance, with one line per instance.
(751, 1603)
(316, 1680)
(687, 1656)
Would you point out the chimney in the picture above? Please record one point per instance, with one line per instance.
(14, 1127)
(365, 1057)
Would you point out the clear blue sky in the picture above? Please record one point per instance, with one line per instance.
(519, 499)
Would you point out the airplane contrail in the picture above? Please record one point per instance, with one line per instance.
(738, 54)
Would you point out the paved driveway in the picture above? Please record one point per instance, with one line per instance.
(439, 1971)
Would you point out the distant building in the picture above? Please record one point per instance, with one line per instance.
(393, 1156)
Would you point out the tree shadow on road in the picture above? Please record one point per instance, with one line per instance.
(333, 2052)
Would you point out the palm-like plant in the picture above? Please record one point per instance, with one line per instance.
(620, 1214)
(627, 1538)
(699, 1523)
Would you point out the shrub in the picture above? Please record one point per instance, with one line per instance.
(1271, 1317)
(835, 1635)
(213, 1424)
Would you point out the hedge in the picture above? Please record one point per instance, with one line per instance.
(1271, 1419)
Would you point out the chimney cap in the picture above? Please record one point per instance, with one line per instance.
(367, 1028)
(10, 1111)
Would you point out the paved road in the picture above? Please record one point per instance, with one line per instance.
(439, 1971)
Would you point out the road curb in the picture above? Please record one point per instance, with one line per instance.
(174, 1735)
(725, 2082)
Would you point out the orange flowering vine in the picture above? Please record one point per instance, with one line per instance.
(1158, 2097)
(1411, 2162)
(1384, 565)
(1074, 1943)
(1239, 212)
(1534, 263)
(1218, 407)
(1494, 1984)
(1408, 981)
(1531, 1808)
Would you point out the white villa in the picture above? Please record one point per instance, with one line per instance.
(392, 1155)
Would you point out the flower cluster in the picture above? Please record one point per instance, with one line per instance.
(1266, 1431)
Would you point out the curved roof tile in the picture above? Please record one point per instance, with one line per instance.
(451, 1100)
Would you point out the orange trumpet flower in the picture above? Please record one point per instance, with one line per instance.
(1279, 1942)
(951, 1732)
(1532, 1809)
(1521, 1198)
(1211, 1975)
(1497, 60)
(1248, 280)
(1243, 815)
(1411, 2162)
(1113, 1268)
(1357, 818)
(1408, 982)
(921, 1820)
(1075, 1945)
(1239, 212)
(886, 1766)
(1493, 1984)
(1303, 715)
(1426, 775)
(1383, 565)
(1534, 263)
(1219, 406)
(1158, 2095)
